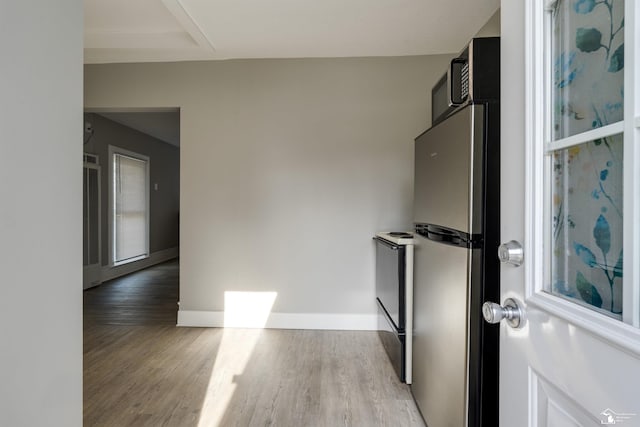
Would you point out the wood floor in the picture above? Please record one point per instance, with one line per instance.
(140, 370)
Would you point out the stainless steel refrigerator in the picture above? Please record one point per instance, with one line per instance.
(456, 269)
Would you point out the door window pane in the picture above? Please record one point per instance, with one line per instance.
(587, 60)
(586, 241)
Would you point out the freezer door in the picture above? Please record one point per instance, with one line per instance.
(448, 172)
(440, 344)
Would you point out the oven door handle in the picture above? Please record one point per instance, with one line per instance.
(387, 243)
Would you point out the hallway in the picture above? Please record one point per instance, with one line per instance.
(140, 370)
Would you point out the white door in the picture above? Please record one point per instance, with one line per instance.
(570, 194)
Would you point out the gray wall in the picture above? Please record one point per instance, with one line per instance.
(288, 168)
(491, 28)
(41, 213)
(165, 171)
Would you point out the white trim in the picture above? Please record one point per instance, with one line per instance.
(537, 169)
(534, 136)
(632, 44)
(112, 150)
(533, 397)
(141, 39)
(606, 329)
(91, 273)
(321, 321)
(109, 273)
(631, 174)
(129, 260)
(132, 110)
(180, 13)
(631, 210)
(587, 136)
(408, 342)
(88, 156)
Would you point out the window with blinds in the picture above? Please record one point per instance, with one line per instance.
(130, 219)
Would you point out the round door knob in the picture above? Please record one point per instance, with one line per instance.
(511, 253)
(492, 312)
(510, 312)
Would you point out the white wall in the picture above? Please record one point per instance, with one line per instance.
(288, 167)
(41, 213)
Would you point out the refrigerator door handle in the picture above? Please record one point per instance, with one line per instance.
(449, 238)
(445, 235)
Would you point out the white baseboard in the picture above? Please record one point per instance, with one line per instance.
(109, 273)
(323, 321)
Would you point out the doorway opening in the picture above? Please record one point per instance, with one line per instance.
(131, 194)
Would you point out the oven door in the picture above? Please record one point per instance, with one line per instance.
(393, 342)
(390, 280)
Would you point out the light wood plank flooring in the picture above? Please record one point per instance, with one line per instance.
(140, 370)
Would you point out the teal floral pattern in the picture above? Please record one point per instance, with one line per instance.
(588, 77)
(588, 59)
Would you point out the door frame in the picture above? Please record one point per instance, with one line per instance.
(112, 151)
(91, 271)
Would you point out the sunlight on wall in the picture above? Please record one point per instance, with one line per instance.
(241, 310)
(247, 309)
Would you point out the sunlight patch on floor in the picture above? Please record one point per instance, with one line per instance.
(241, 310)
